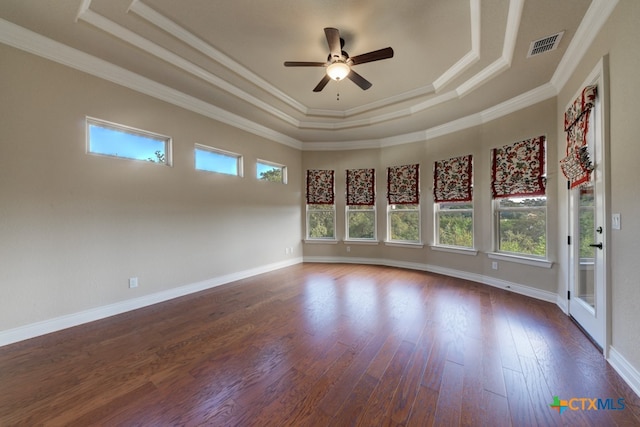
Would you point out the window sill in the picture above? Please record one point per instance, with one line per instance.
(321, 241)
(462, 251)
(360, 242)
(415, 245)
(521, 259)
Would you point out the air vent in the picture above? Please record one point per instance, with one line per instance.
(544, 44)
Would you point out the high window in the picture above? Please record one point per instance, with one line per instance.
(321, 208)
(360, 206)
(272, 172)
(520, 204)
(403, 204)
(215, 160)
(114, 140)
(452, 194)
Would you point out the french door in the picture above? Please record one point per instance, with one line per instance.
(589, 230)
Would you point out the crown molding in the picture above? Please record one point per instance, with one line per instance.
(29, 41)
(593, 21)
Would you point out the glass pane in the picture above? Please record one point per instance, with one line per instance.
(216, 162)
(586, 274)
(455, 228)
(522, 227)
(405, 225)
(111, 141)
(267, 172)
(321, 222)
(361, 222)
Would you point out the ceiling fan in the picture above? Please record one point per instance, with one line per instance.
(339, 64)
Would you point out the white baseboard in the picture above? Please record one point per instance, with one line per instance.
(487, 280)
(625, 369)
(67, 321)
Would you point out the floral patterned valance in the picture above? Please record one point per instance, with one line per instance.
(320, 187)
(403, 185)
(517, 170)
(576, 166)
(361, 187)
(452, 180)
(582, 104)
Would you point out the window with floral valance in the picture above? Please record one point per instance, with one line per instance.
(452, 179)
(576, 166)
(361, 187)
(403, 184)
(320, 187)
(517, 170)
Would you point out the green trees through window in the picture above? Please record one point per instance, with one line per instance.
(522, 226)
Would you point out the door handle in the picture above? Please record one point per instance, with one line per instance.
(596, 245)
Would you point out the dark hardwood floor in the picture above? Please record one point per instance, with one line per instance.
(318, 345)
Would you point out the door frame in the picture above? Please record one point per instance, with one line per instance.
(600, 77)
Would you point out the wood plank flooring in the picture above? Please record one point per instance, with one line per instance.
(318, 345)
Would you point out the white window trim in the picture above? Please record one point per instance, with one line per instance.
(168, 143)
(239, 159)
(519, 259)
(308, 239)
(375, 226)
(436, 227)
(282, 167)
(389, 242)
(455, 250)
(496, 232)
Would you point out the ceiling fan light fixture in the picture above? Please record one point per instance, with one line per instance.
(338, 70)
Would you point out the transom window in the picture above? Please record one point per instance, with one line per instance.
(215, 160)
(272, 172)
(114, 140)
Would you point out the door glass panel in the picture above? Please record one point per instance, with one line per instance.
(587, 237)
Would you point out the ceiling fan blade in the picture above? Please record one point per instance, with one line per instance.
(333, 39)
(322, 83)
(375, 55)
(359, 80)
(304, 64)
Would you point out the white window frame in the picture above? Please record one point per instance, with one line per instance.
(231, 154)
(496, 226)
(361, 208)
(312, 208)
(438, 211)
(391, 208)
(166, 140)
(283, 170)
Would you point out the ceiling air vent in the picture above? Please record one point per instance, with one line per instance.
(544, 44)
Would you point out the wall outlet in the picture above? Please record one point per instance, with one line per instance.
(133, 282)
(494, 265)
(348, 248)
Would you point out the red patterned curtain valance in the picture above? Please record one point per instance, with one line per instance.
(452, 179)
(403, 183)
(576, 166)
(361, 187)
(517, 170)
(320, 187)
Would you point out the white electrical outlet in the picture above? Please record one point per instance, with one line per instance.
(494, 265)
(133, 282)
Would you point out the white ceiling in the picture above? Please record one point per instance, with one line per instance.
(456, 62)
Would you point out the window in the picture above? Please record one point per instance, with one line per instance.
(272, 172)
(403, 204)
(521, 226)
(520, 204)
(360, 210)
(321, 210)
(452, 194)
(214, 160)
(404, 223)
(361, 222)
(321, 222)
(454, 224)
(114, 140)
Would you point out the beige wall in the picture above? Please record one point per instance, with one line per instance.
(619, 39)
(478, 141)
(74, 227)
